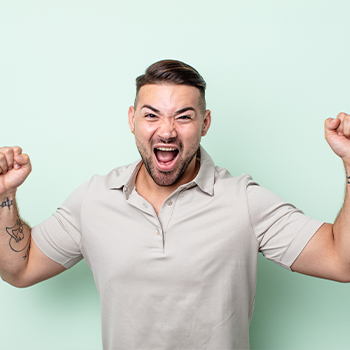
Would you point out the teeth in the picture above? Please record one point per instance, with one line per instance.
(166, 149)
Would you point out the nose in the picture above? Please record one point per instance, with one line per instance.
(167, 129)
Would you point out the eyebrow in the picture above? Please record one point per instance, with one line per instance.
(151, 108)
(182, 110)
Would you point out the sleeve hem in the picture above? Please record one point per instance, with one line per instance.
(300, 242)
(47, 249)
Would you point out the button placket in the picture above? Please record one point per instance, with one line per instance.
(157, 242)
(158, 245)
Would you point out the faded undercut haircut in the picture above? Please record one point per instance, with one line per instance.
(172, 72)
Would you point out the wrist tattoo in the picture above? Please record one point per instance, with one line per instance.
(7, 203)
(17, 240)
(348, 178)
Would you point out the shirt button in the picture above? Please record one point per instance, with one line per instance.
(169, 203)
(158, 233)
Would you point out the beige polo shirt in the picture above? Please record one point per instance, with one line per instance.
(184, 279)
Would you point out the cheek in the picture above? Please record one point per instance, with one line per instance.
(192, 135)
(144, 138)
(145, 130)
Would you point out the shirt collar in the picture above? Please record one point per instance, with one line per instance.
(126, 176)
(206, 175)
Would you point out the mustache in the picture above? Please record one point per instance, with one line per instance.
(165, 141)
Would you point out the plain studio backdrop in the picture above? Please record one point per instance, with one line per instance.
(275, 70)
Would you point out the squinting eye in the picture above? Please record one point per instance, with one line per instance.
(184, 117)
(150, 116)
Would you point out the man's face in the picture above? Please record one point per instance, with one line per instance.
(168, 126)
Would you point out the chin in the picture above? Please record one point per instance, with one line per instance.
(165, 180)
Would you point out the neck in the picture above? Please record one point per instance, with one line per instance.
(156, 194)
(144, 180)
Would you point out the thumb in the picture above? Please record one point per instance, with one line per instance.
(332, 124)
(22, 161)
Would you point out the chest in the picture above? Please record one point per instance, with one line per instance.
(193, 238)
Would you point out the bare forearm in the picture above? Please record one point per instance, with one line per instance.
(14, 238)
(341, 227)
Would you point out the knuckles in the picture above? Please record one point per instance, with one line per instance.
(7, 155)
(342, 115)
(17, 150)
(10, 152)
(7, 151)
(344, 126)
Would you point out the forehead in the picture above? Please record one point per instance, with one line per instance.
(168, 97)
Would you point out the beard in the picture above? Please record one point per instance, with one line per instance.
(166, 178)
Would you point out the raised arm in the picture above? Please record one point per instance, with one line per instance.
(21, 262)
(327, 255)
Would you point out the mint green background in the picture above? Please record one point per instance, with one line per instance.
(275, 70)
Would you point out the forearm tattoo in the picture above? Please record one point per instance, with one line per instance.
(17, 241)
(348, 178)
(6, 203)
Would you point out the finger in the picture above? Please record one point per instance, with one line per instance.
(22, 161)
(6, 159)
(344, 127)
(341, 116)
(17, 150)
(331, 124)
(3, 164)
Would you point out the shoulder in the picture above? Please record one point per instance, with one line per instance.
(232, 187)
(213, 175)
(116, 178)
(222, 175)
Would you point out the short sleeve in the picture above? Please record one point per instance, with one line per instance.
(281, 229)
(59, 237)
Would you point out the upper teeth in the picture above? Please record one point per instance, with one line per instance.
(165, 149)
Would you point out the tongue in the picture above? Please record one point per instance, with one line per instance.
(166, 156)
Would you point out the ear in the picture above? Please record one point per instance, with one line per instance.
(131, 118)
(206, 122)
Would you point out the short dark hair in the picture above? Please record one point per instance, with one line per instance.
(172, 72)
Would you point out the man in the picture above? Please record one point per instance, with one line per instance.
(172, 240)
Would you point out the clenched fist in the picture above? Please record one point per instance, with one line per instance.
(14, 168)
(337, 133)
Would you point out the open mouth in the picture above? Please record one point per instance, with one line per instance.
(166, 157)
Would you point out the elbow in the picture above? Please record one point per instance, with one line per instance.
(17, 284)
(15, 281)
(343, 281)
(343, 277)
